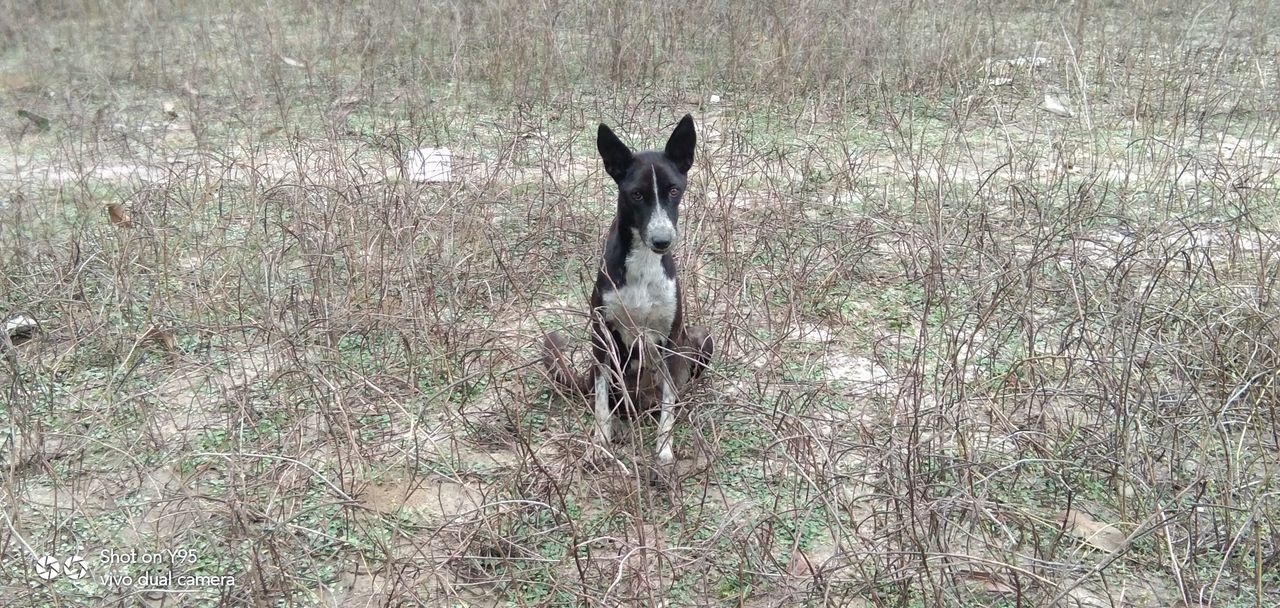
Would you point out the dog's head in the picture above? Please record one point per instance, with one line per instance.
(651, 183)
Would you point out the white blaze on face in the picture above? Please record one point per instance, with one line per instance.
(654, 172)
(660, 227)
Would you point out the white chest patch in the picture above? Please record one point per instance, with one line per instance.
(646, 303)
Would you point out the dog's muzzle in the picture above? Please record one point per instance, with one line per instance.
(660, 237)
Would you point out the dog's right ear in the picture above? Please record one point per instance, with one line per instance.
(616, 155)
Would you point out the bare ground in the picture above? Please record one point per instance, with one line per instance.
(971, 353)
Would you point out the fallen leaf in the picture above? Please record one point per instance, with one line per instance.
(990, 583)
(1094, 533)
(115, 211)
(39, 121)
(163, 338)
(799, 565)
(1056, 106)
(347, 101)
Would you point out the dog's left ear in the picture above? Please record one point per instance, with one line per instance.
(680, 147)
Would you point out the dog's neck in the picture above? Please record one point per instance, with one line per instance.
(643, 266)
(627, 258)
(640, 297)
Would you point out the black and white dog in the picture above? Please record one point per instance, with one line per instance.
(639, 340)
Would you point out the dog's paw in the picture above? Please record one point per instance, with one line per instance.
(603, 435)
(599, 459)
(661, 478)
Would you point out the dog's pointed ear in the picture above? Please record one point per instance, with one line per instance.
(680, 147)
(616, 155)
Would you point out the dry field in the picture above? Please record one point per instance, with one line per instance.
(972, 351)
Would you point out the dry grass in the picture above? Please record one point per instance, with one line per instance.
(971, 353)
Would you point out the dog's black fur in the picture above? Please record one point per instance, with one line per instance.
(637, 304)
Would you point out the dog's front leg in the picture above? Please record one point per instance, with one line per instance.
(602, 347)
(603, 416)
(666, 420)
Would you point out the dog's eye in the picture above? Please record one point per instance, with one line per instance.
(674, 192)
(637, 195)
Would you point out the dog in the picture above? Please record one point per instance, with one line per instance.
(640, 344)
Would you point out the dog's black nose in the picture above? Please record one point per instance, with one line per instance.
(661, 245)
